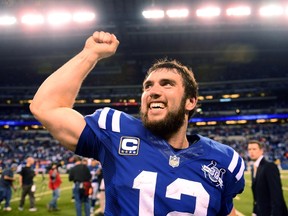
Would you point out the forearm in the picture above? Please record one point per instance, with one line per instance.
(53, 102)
(61, 88)
(9, 178)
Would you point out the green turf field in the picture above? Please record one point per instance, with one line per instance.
(243, 202)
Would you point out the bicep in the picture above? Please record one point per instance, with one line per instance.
(65, 125)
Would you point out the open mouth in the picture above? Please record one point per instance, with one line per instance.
(157, 106)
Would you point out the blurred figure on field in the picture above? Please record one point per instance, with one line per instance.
(26, 176)
(95, 170)
(62, 169)
(6, 183)
(278, 163)
(266, 184)
(100, 211)
(84, 161)
(80, 175)
(54, 184)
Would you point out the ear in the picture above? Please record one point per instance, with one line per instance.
(191, 103)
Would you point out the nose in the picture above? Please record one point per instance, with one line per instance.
(155, 91)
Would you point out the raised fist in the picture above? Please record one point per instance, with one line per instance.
(101, 44)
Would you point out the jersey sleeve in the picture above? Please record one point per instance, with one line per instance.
(86, 145)
(235, 184)
(102, 131)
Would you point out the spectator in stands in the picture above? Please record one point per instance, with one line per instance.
(54, 184)
(266, 184)
(80, 175)
(26, 182)
(6, 183)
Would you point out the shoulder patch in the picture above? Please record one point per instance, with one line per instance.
(129, 145)
(215, 174)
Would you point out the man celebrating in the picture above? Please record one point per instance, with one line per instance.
(150, 166)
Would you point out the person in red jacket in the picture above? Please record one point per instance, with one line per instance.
(54, 184)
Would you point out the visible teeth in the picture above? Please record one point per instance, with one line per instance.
(157, 105)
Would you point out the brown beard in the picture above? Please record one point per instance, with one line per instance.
(168, 126)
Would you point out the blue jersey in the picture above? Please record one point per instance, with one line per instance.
(94, 172)
(144, 176)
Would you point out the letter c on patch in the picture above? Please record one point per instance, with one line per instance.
(129, 144)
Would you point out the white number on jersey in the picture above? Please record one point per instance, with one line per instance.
(146, 183)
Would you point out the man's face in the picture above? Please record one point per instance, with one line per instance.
(254, 151)
(30, 160)
(163, 105)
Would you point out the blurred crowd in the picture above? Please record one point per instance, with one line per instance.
(273, 136)
(16, 145)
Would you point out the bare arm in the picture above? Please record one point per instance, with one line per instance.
(6, 177)
(233, 212)
(53, 103)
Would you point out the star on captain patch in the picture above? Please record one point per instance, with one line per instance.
(174, 161)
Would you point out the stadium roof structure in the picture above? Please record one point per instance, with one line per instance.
(233, 47)
(208, 37)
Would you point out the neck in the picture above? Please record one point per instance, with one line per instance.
(179, 140)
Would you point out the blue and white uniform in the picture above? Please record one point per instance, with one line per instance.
(144, 176)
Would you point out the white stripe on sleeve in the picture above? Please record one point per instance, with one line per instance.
(233, 165)
(116, 121)
(103, 117)
(233, 162)
(241, 171)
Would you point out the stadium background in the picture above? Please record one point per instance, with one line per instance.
(240, 63)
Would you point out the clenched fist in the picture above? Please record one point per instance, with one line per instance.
(101, 45)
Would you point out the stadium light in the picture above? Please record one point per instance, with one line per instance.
(177, 13)
(59, 18)
(208, 12)
(153, 14)
(239, 11)
(6, 20)
(271, 11)
(32, 19)
(81, 17)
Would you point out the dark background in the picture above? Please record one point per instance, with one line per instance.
(228, 55)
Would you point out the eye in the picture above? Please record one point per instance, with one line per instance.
(147, 85)
(167, 83)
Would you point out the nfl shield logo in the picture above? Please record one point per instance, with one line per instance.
(174, 161)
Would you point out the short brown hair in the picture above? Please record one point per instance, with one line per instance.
(260, 144)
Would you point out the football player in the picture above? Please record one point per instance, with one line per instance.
(150, 165)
